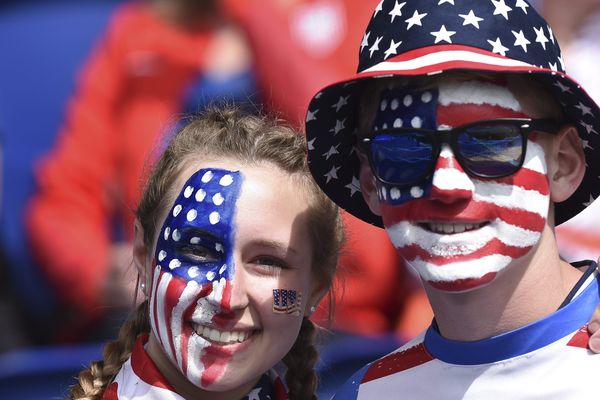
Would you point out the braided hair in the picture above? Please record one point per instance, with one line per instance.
(228, 132)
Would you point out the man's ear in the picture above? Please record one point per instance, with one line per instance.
(368, 187)
(566, 164)
(141, 254)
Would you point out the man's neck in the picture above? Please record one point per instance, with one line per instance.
(527, 290)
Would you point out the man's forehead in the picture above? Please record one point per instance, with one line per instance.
(447, 103)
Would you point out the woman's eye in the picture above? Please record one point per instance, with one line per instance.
(199, 253)
(270, 263)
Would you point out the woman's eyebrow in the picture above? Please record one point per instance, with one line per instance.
(195, 231)
(280, 247)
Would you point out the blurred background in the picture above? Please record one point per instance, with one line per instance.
(89, 90)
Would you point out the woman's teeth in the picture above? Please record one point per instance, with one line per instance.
(451, 227)
(225, 337)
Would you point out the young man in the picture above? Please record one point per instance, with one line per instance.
(469, 144)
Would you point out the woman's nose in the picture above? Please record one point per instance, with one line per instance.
(450, 182)
(235, 293)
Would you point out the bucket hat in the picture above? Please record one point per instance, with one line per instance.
(428, 37)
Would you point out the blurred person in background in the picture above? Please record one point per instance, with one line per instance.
(156, 59)
(576, 24)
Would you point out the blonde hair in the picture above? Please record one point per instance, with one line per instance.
(227, 132)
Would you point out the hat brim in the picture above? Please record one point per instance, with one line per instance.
(332, 119)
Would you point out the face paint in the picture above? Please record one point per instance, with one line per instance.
(285, 301)
(459, 232)
(193, 272)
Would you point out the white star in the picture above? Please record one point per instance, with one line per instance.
(445, 1)
(588, 127)
(310, 115)
(501, 8)
(541, 37)
(332, 151)
(392, 49)
(339, 125)
(311, 144)
(332, 174)
(584, 109)
(522, 5)
(471, 19)
(253, 395)
(443, 34)
(498, 48)
(378, 8)
(586, 144)
(521, 40)
(342, 101)
(365, 41)
(562, 63)
(375, 46)
(354, 186)
(553, 66)
(415, 19)
(589, 202)
(563, 88)
(551, 34)
(397, 10)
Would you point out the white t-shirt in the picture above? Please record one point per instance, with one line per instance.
(547, 359)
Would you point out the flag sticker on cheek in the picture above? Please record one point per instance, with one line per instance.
(287, 301)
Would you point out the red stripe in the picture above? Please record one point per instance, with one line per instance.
(494, 246)
(397, 362)
(466, 211)
(463, 284)
(143, 366)
(173, 293)
(423, 51)
(580, 338)
(461, 114)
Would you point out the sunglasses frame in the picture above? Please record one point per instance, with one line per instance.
(450, 137)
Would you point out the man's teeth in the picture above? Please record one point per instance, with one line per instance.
(215, 335)
(452, 228)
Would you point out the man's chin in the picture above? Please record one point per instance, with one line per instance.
(463, 285)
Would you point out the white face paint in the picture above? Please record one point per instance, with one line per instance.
(464, 230)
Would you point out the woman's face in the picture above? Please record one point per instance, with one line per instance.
(231, 275)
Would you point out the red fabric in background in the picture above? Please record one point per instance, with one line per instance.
(127, 93)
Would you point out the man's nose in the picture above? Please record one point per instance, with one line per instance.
(450, 182)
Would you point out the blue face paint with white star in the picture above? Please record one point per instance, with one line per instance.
(197, 238)
(404, 108)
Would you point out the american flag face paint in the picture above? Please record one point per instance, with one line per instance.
(457, 231)
(193, 269)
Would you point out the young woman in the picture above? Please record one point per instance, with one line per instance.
(235, 245)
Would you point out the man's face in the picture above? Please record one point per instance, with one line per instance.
(456, 230)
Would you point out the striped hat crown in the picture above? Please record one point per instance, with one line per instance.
(427, 37)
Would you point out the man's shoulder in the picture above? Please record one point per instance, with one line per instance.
(408, 356)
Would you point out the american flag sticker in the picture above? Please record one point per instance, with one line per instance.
(286, 301)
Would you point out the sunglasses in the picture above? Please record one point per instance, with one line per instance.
(484, 149)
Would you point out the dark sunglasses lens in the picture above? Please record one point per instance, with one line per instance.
(402, 159)
(492, 150)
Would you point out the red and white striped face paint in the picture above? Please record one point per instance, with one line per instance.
(459, 232)
(226, 244)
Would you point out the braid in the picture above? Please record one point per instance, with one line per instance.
(300, 361)
(93, 381)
